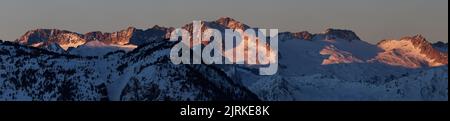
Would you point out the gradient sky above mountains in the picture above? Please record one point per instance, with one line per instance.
(373, 20)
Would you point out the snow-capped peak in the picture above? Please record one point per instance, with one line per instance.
(219, 24)
(231, 23)
(413, 52)
(50, 35)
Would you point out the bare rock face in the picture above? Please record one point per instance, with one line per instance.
(304, 35)
(156, 33)
(130, 35)
(62, 37)
(329, 34)
(121, 37)
(96, 35)
(415, 50)
(231, 23)
(342, 34)
(427, 49)
(220, 24)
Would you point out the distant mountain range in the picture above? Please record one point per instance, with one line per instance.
(133, 64)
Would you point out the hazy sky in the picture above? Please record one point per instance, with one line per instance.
(373, 20)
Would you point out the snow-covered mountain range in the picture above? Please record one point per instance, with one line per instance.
(146, 73)
(134, 64)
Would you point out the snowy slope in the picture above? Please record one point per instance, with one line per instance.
(338, 67)
(428, 84)
(35, 74)
(327, 54)
(54, 47)
(145, 74)
(411, 52)
(97, 48)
